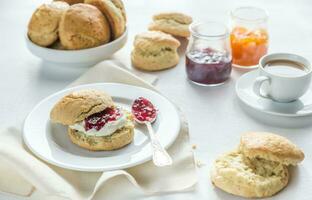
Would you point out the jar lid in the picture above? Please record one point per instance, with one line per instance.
(250, 14)
(209, 29)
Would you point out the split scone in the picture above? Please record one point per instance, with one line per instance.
(155, 50)
(44, 23)
(258, 168)
(83, 26)
(95, 123)
(114, 11)
(174, 23)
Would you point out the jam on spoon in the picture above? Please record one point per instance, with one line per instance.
(145, 113)
(144, 110)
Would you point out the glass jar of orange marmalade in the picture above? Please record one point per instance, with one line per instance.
(249, 35)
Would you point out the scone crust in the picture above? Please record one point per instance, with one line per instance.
(71, 2)
(177, 16)
(78, 105)
(155, 38)
(270, 147)
(159, 62)
(235, 175)
(83, 26)
(115, 13)
(44, 23)
(174, 23)
(117, 140)
(154, 51)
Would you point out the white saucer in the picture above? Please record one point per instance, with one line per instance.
(51, 143)
(297, 113)
(245, 68)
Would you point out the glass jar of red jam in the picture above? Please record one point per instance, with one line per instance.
(249, 36)
(208, 55)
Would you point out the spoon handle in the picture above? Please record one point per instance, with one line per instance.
(160, 155)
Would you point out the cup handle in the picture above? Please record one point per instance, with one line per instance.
(257, 85)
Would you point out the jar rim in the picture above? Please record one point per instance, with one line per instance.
(196, 33)
(260, 19)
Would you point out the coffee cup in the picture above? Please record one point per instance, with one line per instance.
(283, 77)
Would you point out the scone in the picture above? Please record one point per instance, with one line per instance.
(71, 2)
(258, 168)
(115, 13)
(155, 50)
(93, 120)
(238, 175)
(44, 23)
(270, 147)
(174, 23)
(83, 26)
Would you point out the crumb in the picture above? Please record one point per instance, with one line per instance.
(194, 146)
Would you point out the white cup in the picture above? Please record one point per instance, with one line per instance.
(278, 87)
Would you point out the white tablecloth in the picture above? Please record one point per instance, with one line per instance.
(215, 117)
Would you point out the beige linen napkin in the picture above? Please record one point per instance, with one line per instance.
(24, 174)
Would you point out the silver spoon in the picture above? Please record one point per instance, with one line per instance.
(145, 113)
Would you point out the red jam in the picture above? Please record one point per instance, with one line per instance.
(98, 120)
(208, 66)
(143, 110)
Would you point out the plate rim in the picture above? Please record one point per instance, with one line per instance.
(263, 111)
(97, 169)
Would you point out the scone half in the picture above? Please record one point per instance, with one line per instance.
(78, 105)
(251, 178)
(270, 146)
(174, 23)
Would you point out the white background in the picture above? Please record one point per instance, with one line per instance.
(215, 118)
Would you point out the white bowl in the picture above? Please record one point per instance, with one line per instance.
(77, 58)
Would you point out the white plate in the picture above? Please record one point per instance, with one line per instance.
(295, 113)
(50, 141)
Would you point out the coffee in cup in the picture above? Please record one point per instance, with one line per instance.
(286, 68)
(283, 77)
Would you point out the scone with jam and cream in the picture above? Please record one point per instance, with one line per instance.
(95, 122)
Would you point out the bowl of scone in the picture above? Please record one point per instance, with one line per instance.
(77, 33)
